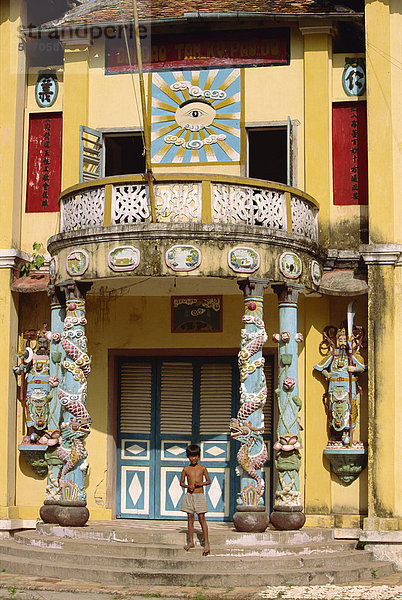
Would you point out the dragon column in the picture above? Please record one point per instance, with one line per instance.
(75, 419)
(248, 426)
(54, 463)
(287, 513)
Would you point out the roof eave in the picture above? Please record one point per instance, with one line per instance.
(198, 17)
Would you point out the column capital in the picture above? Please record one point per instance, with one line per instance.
(75, 289)
(288, 292)
(311, 27)
(56, 295)
(253, 286)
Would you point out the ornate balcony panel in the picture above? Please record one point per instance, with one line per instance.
(304, 218)
(249, 205)
(83, 210)
(130, 204)
(179, 202)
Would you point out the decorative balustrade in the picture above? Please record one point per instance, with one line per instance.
(189, 199)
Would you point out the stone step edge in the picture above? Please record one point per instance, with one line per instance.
(372, 565)
(188, 558)
(270, 578)
(105, 533)
(337, 545)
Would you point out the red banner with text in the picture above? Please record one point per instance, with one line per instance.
(44, 162)
(349, 153)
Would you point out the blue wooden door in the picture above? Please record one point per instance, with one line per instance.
(166, 404)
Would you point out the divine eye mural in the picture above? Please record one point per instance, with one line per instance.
(196, 116)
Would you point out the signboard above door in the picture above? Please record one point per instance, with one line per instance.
(242, 48)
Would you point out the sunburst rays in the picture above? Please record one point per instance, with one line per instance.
(218, 141)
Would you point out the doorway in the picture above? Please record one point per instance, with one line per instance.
(166, 404)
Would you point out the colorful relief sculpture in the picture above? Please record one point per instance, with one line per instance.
(34, 393)
(288, 509)
(75, 426)
(341, 366)
(52, 495)
(248, 426)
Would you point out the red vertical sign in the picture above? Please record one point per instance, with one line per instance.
(44, 162)
(349, 153)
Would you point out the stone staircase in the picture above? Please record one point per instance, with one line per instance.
(149, 552)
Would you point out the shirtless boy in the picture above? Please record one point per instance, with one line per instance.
(194, 500)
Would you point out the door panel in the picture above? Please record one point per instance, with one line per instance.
(166, 404)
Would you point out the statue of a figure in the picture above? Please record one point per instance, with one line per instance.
(340, 368)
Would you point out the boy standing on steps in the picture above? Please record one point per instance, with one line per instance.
(194, 500)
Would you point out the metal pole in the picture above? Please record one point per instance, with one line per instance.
(147, 136)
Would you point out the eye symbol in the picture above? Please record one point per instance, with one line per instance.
(195, 113)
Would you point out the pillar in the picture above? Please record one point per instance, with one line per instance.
(52, 495)
(75, 419)
(317, 117)
(12, 105)
(383, 256)
(287, 513)
(76, 106)
(248, 426)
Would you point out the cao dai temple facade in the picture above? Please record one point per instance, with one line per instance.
(236, 285)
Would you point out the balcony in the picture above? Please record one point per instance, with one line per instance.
(124, 200)
(206, 226)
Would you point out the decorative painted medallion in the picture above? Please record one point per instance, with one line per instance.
(316, 272)
(53, 268)
(77, 262)
(123, 258)
(183, 258)
(196, 314)
(46, 89)
(290, 265)
(243, 259)
(196, 116)
(354, 76)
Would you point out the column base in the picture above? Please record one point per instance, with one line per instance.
(288, 518)
(250, 518)
(72, 513)
(48, 511)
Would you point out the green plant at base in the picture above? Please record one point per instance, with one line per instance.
(36, 262)
(12, 590)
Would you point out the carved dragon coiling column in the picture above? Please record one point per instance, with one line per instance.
(248, 426)
(54, 463)
(287, 513)
(72, 395)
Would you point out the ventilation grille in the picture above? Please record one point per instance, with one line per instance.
(135, 398)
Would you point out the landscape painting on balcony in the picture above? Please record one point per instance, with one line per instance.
(196, 116)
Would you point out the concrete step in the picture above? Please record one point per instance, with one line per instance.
(187, 561)
(175, 533)
(208, 571)
(134, 549)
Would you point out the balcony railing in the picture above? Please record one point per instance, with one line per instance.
(124, 200)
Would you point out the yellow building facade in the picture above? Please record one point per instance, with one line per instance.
(253, 121)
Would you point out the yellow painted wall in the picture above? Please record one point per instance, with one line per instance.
(11, 136)
(37, 227)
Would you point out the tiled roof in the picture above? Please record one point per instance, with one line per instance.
(108, 11)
